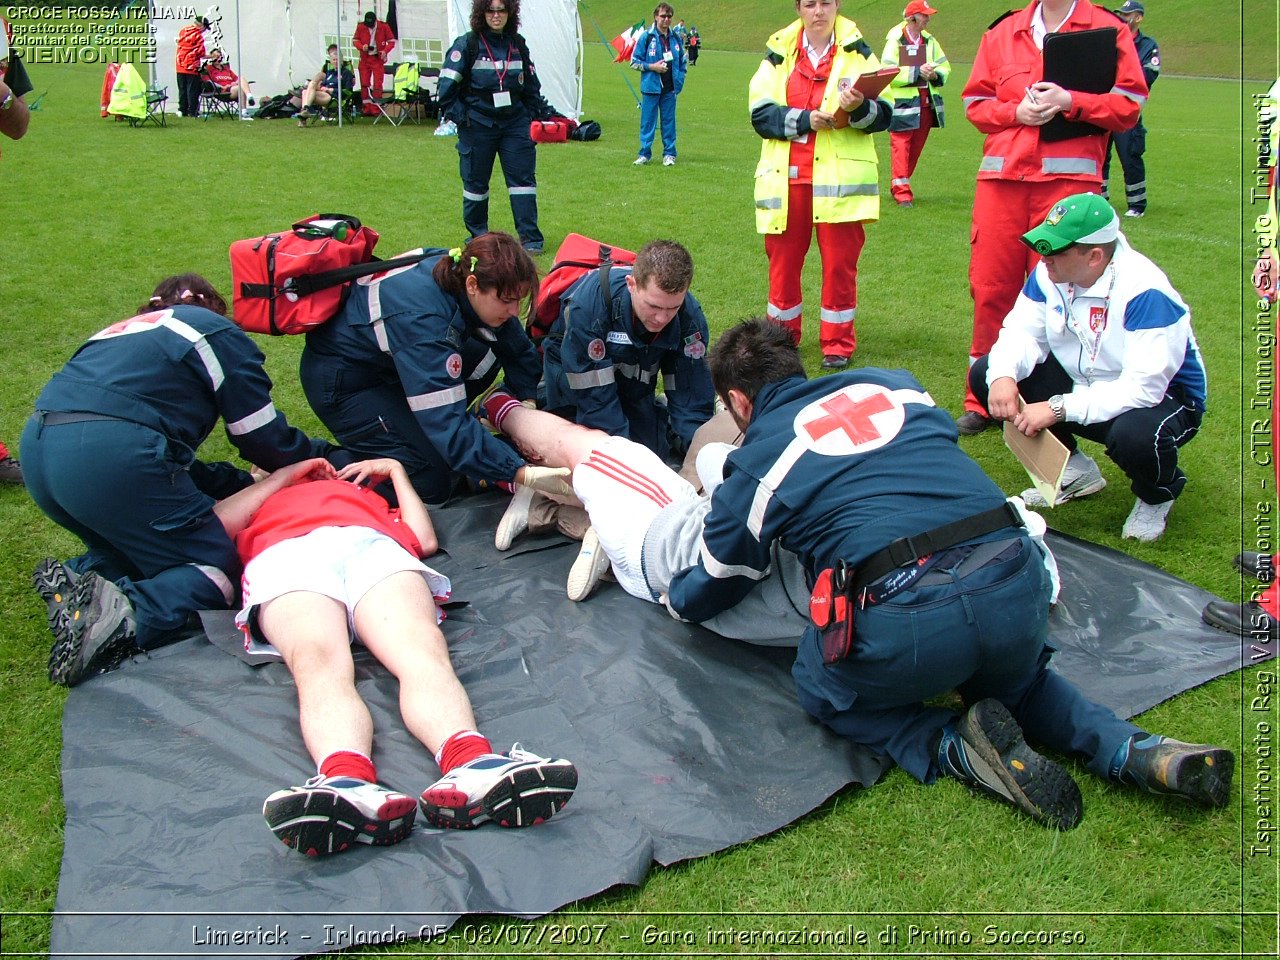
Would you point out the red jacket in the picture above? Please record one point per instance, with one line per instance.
(190, 48)
(383, 39)
(1008, 61)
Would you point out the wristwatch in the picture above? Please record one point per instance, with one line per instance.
(1058, 407)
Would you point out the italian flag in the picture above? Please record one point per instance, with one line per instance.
(625, 42)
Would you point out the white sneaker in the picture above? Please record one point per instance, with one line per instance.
(246, 115)
(1080, 479)
(1135, 214)
(515, 789)
(587, 570)
(668, 161)
(328, 814)
(1146, 521)
(516, 520)
(639, 161)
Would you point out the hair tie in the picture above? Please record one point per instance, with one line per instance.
(456, 254)
(185, 295)
(474, 261)
(155, 300)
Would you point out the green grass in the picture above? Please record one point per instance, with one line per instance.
(98, 212)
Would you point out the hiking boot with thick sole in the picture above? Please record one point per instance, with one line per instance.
(516, 789)
(987, 752)
(94, 634)
(328, 814)
(1196, 772)
(55, 582)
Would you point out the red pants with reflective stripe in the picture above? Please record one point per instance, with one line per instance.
(999, 262)
(840, 245)
(905, 148)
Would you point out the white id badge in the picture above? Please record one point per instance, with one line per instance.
(502, 98)
(668, 56)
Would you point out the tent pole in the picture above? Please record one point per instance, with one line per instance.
(337, 31)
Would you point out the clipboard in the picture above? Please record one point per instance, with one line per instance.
(1084, 60)
(1043, 456)
(869, 85)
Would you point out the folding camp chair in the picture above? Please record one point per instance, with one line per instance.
(409, 99)
(157, 97)
(214, 101)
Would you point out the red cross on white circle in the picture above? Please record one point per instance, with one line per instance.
(857, 419)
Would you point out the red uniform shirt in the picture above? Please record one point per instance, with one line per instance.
(296, 511)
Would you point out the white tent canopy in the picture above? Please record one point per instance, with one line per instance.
(278, 44)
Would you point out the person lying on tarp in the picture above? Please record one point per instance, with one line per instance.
(325, 560)
(925, 581)
(110, 454)
(646, 520)
(392, 374)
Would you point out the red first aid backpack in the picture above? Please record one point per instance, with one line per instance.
(555, 130)
(575, 257)
(292, 281)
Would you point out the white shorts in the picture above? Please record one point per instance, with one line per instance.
(624, 485)
(343, 563)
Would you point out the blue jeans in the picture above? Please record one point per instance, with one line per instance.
(650, 105)
(125, 491)
(983, 635)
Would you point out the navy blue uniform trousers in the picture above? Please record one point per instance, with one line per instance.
(511, 144)
(983, 635)
(126, 493)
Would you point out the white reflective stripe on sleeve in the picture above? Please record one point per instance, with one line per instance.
(477, 197)
(764, 491)
(670, 383)
(779, 315)
(970, 100)
(1130, 95)
(255, 420)
(991, 165)
(592, 378)
(632, 371)
(375, 303)
(723, 571)
(448, 74)
(437, 398)
(484, 366)
(791, 123)
(202, 348)
(219, 580)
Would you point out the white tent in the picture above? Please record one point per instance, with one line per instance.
(278, 44)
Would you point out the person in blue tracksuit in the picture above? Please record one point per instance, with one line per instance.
(489, 88)
(110, 455)
(860, 475)
(603, 356)
(1131, 144)
(392, 374)
(659, 55)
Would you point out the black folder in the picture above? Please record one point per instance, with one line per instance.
(1085, 61)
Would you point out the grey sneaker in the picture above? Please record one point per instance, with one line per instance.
(1195, 772)
(987, 752)
(639, 161)
(588, 568)
(1081, 479)
(95, 635)
(1146, 521)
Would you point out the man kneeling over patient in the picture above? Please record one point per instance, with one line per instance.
(326, 559)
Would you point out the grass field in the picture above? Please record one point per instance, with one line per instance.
(98, 212)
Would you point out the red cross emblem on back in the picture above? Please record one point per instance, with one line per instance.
(857, 419)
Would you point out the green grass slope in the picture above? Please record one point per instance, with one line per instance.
(97, 212)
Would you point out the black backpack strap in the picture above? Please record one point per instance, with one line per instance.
(303, 286)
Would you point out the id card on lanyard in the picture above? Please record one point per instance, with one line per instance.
(501, 97)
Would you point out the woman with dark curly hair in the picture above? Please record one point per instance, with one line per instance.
(393, 373)
(488, 87)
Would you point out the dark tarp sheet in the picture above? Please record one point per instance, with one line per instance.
(686, 744)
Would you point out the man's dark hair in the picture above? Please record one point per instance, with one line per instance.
(478, 24)
(667, 263)
(752, 355)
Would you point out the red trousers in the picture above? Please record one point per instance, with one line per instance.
(905, 148)
(999, 262)
(372, 70)
(840, 245)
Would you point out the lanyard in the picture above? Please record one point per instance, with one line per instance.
(502, 75)
(1091, 339)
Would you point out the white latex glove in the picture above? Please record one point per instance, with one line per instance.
(553, 481)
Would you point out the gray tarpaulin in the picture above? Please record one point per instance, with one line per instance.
(685, 743)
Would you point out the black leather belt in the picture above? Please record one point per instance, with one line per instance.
(908, 550)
